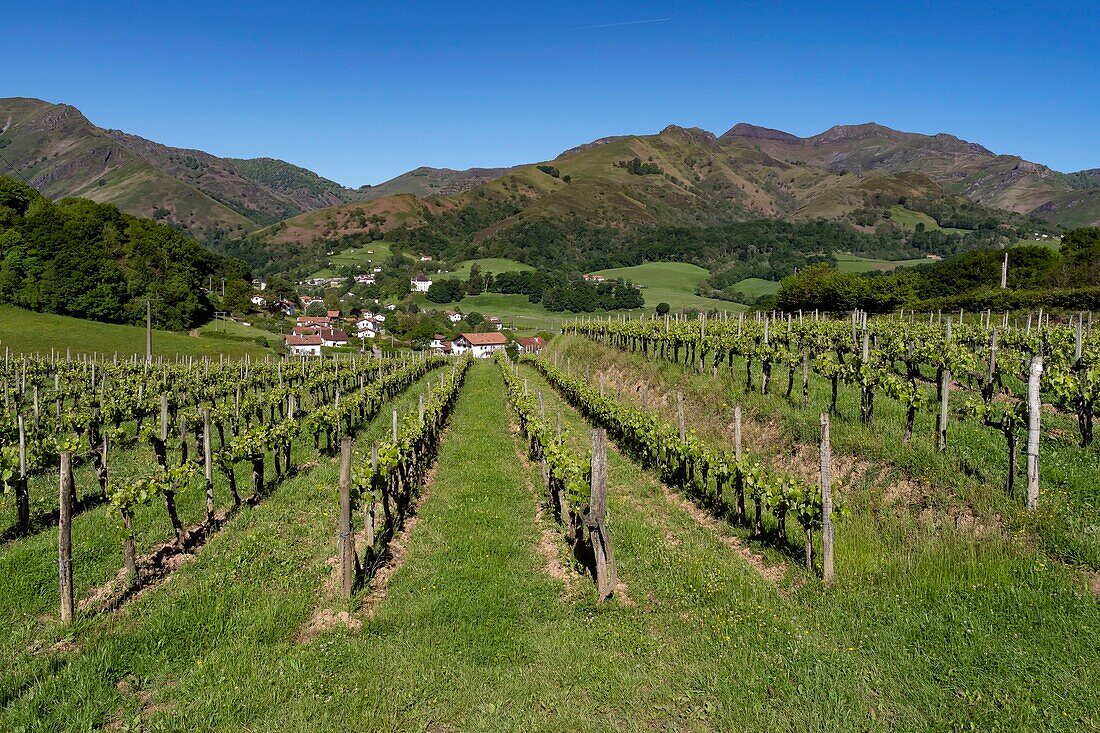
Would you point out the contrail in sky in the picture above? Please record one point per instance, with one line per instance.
(616, 25)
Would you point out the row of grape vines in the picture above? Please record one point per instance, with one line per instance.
(391, 474)
(711, 476)
(210, 416)
(994, 362)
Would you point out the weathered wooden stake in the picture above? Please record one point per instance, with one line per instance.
(208, 463)
(1033, 410)
(347, 539)
(826, 503)
(680, 414)
(65, 537)
(596, 518)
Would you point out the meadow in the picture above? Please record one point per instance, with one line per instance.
(25, 331)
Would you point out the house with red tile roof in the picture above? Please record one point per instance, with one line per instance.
(480, 345)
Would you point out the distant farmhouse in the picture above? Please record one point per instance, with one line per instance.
(480, 345)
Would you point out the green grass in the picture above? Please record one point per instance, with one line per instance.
(669, 282)
(755, 287)
(29, 332)
(855, 263)
(518, 313)
(221, 328)
(909, 219)
(366, 257)
(924, 630)
(487, 264)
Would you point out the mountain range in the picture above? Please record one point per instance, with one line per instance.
(680, 176)
(56, 149)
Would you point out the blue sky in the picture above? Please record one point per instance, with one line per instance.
(361, 92)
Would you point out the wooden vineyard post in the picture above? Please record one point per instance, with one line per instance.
(805, 377)
(737, 457)
(347, 540)
(65, 538)
(826, 503)
(945, 389)
(208, 464)
(395, 427)
(22, 496)
(369, 519)
(680, 414)
(1033, 410)
(596, 518)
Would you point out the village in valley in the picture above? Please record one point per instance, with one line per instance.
(334, 313)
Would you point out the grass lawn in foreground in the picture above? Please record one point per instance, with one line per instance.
(28, 332)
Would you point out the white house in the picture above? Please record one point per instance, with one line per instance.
(367, 328)
(303, 345)
(333, 337)
(495, 322)
(481, 345)
(258, 300)
(452, 316)
(420, 283)
(440, 344)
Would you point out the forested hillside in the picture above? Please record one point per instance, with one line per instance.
(1066, 278)
(80, 258)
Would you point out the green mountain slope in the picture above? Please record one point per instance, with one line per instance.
(1001, 181)
(679, 177)
(305, 188)
(425, 181)
(59, 152)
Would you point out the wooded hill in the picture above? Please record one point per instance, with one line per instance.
(79, 258)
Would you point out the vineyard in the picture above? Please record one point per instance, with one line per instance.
(781, 522)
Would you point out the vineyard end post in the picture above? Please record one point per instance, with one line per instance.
(65, 538)
(826, 502)
(606, 576)
(1033, 410)
(347, 539)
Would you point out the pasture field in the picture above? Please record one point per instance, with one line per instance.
(855, 263)
(373, 254)
(756, 287)
(28, 332)
(669, 282)
(487, 264)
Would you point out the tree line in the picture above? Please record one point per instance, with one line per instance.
(79, 258)
(1067, 277)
